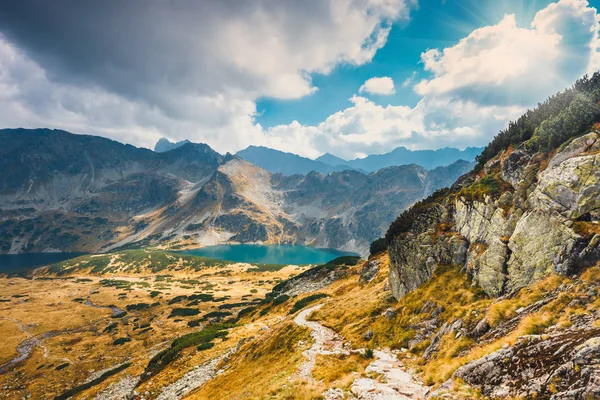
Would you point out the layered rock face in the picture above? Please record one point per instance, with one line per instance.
(520, 218)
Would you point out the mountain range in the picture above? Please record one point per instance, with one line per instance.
(428, 159)
(67, 192)
(277, 161)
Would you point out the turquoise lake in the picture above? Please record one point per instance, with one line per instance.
(269, 254)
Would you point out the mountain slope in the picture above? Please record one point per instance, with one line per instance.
(84, 193)
(165, 144)
(276, 161)
(523, 229)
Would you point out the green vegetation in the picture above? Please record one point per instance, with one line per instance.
(340, 262)
(216, 314)
(78, 389)
(133, 261)
(229, 306)
(165, 357)
(560, 117)
(137, 306)
(204, 297)
(183, 312)
(120, 341)
(266, 267)
(378, 246)
(177, 299)
(280, 299)
(300, 304)
(418, 211)
(205, 346)
(110, 327)
(489, 185)
(62, 366)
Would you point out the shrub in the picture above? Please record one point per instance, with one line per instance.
(177, 299)
(368, 354)
(405, 221)
(110, 327)
(183, 312)
(137, 306)
(280, 299)
(78, 389)
(378, 246)
(121, 341)
(488, 185)
(300, 304)
(205, 346)
(216, 314)
(578, 106)
(165, 357)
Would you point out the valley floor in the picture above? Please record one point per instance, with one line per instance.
(68, 335)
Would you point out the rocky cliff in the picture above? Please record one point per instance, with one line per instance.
(523, 228)
(515, 221)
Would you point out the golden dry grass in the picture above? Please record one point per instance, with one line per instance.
(339, 370)
(261, 368)
(48, 305)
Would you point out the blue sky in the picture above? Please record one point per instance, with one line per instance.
(434, 24)
(349, 77)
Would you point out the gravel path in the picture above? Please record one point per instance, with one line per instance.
(391, 381)
(326, 341)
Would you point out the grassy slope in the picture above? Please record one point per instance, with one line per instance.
(354, 309)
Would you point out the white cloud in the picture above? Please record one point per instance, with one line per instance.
(206, 90)
(410, 80)
(183, 70)
(369, 128)
(507, 64)
(377, 85)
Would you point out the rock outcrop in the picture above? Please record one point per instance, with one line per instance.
(520, 218)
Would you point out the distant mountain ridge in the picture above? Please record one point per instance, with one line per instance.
(66, 192)
(165, 144)
(427, 159)
(276, 161)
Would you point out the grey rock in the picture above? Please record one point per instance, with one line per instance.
(368, 335)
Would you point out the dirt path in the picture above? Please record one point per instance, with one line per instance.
(326, 341)
(390, 379)
(393, 382)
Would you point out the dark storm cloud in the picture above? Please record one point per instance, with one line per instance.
(141, 48)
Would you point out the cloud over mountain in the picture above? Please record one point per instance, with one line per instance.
(195, 70)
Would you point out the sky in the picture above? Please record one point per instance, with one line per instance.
(348, 77)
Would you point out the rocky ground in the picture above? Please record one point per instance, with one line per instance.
(385, 377)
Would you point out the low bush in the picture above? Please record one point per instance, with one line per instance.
(205, 346)
(78, 389)
(300, 304)
(378, 246)
(183, 312)
(165, 357)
